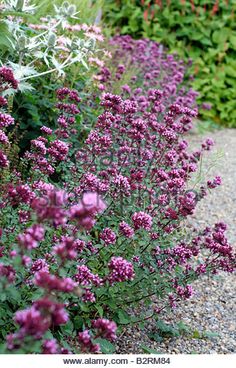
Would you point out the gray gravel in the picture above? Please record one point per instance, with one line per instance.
(211, 314)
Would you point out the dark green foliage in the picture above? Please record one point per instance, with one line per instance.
(205, 34)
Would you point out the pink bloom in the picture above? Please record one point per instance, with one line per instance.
(85, 341)
(50, 282)
(3, 101)
(32, 322)
(126, 230)
(105, 328)
(3, 138)
(7, 79)
(51, 206)
(8, 272)
(108, 236)
(88, 296)
(142, 220)
(31, 237)
(120, 270)
(46, 130)
(216, 182)
(38, 265)
(3, 160)
(6, 120)
(20, 194)
(58, 150)
(50, 347)
(67, 249)
(84, 212)
(85, 277)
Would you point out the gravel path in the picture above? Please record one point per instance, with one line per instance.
(210, 316)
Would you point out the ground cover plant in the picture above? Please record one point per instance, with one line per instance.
(181, 26)
(90, 231)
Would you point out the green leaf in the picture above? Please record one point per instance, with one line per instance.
(106, 346)
(3, 297)
(196, 335)
(166, 330)
(232, 40)
(6, 40)
(148, 350)
(210, 335)
(230, 70)
(220, 36)
(155, 337)
(100, 310)
(78, 322)
(68, 328)
(124, 318)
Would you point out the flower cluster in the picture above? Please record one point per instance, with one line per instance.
(51, 282)
(35, 321)
(98, 226)
(120, 270)
(142, 220)
(84, 212)
(108, 236)
(105, 328)
(7, 79)
(31, 237)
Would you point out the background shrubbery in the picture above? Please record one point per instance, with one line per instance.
(204, 31)
(36, 50)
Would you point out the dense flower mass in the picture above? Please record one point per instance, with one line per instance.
(120, 270)
(108, 236)
(31, 237)
(105, 328)
(6, 120)
(3, 160)
(84, 212)
(142, 220)
(93, 218)
(7, 79)
(126, 230)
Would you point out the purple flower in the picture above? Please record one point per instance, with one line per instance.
(206, 106)
(3, 138)
(126, 230)
(85, 277)
(7, 79)
(51, 206)
(108, 236)
(32, 322)
(142, 220)
(3, 160)
(215, 183)
(88, 296)
(50, 282)
(58, 150)
(38, 265)
(86, 344)
(8, 272)
(46, 130)
(50, 347)
(207, 144)
(67, 249)
(84, 212)
(105, 328)
(120, 270)
(6, 120)
(31, 237)
(3, 101)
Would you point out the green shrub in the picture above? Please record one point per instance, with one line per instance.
(47, 44)
(204, 31)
